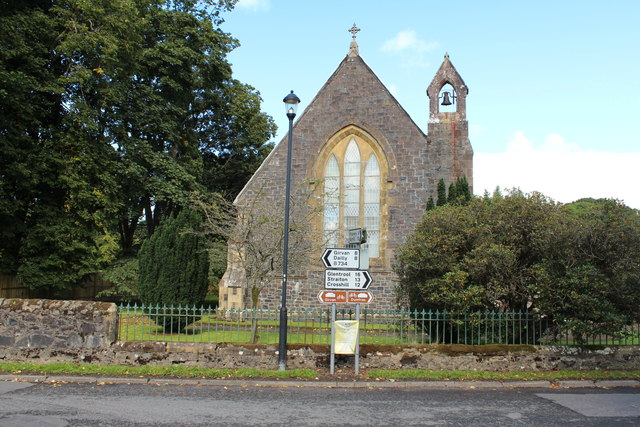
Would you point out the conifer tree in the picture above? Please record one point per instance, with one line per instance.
(174, 266)
(452, 198)
(431, 204)
(497, 194)
(462, 189)
(442, 193)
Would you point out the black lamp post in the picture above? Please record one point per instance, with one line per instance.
(291, 102)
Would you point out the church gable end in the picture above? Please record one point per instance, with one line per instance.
(365, 163)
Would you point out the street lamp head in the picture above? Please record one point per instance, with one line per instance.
(291, 102)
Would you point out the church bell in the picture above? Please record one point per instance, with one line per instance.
(445, 99)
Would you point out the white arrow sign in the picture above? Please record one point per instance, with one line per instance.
(346, 279)
(341, 258)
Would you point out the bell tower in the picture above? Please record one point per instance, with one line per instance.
(448, 130)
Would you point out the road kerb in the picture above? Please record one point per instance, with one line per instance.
(431, 384)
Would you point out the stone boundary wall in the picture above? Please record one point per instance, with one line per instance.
(48, 331)
(444, 357)
(55, 324)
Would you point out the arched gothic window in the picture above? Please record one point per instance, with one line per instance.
(352, 195)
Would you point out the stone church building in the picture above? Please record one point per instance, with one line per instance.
(366, 164)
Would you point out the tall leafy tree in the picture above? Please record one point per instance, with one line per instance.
(22, 130)
(111, 111)
(54, 196)
(230, 153)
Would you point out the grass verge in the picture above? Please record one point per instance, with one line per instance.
(306, 374)
(151, 371)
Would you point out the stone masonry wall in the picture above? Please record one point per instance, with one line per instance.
(47, 331)
(444, 357)
(38, 323)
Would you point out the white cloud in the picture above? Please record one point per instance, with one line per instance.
(407, 40)
(412, 50)
(519, 143)
(559, 170)
(556, 144)
(254, 5)
(553, 143)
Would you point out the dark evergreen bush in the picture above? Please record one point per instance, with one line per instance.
(442, 193)
(174, 266)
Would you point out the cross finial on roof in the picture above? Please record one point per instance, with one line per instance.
(354, 30)
(353, 48)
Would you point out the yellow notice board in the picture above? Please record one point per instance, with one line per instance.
(346, 337)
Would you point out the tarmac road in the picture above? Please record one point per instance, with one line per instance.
(64, 401)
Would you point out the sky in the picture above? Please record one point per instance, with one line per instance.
(553, 85)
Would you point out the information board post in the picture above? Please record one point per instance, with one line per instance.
(332, 362)
(357, 361)
(332, 359)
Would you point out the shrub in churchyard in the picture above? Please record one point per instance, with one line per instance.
(173, 270)
(576, 264)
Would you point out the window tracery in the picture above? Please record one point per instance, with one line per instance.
(352, 194)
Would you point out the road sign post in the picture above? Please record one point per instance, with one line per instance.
(344, 283)
(332, 358)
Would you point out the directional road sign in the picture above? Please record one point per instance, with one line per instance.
(346, 279)
(341, 258)
(353, 297)
(331, 296)
(359, 297)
